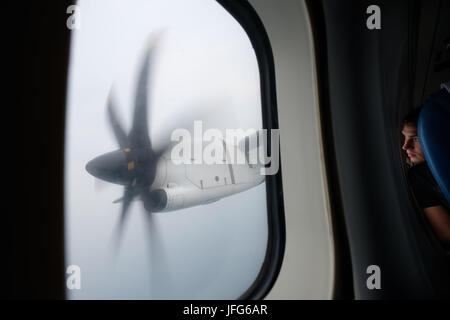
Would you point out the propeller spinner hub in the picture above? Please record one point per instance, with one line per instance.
(112, 167)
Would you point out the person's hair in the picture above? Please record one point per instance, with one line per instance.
(412, 117)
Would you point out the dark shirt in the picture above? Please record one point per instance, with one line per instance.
(425, 188)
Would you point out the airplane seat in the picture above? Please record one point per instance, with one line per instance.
(434, 135)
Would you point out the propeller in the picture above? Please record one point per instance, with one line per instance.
(134, 164)
(161, 284)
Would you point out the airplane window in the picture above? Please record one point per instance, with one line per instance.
(138, 224)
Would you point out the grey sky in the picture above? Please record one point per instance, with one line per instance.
(204, 62)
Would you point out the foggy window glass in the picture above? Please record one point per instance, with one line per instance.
(138, 225)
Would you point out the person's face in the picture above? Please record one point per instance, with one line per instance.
(412, 145)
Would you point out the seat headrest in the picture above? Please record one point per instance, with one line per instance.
(434, 135)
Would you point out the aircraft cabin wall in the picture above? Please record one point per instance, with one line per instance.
(307, 271)
(364, 83)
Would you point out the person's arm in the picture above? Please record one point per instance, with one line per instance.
(440, 221)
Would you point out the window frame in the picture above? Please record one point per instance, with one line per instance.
(249, 20)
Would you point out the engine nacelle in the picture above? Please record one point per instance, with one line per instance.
(166, 199)
(155, 200)
(175, 198)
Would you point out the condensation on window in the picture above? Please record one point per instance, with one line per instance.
(202, 67)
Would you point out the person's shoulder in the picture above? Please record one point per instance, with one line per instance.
(424, 186)
(419, 172)
(421, 178)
